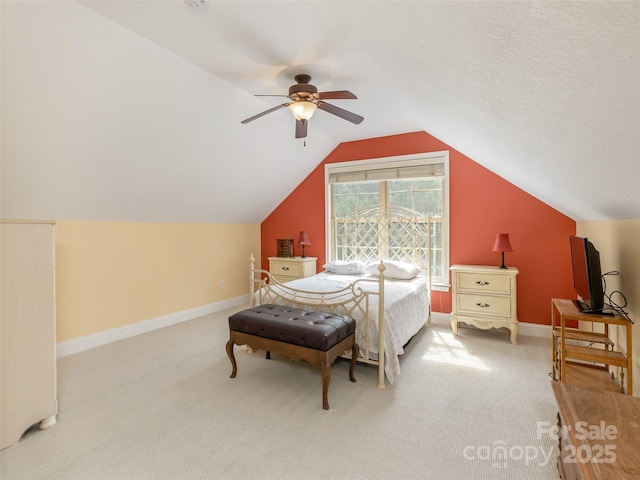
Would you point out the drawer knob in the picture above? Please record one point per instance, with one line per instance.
(482, 282)
(285, 268)
(483, 305)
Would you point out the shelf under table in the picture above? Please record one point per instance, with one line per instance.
(597, 355)
(594, 337)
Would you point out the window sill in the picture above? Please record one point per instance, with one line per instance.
(440, 287)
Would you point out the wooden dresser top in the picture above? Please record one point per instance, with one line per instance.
(602, 425)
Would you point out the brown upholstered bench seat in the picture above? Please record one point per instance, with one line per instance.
(316, 337)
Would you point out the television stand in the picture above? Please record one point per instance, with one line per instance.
(585, 356)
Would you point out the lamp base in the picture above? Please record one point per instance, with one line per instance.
(502, 265)
(303, 255)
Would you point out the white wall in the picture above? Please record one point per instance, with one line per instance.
(99, 123)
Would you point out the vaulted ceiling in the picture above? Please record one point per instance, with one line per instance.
(131, 110)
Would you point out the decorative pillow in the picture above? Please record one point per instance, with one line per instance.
(395, 269)
(345, 267)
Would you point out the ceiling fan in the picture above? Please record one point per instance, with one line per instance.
(305, 99)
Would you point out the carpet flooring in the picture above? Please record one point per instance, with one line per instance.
(162, 406)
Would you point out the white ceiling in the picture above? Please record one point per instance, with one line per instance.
(546, 94)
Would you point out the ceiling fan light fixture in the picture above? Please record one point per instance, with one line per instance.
(304, 100)
(302, 110)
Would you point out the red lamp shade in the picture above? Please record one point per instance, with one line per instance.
(304, 240)
(502, 245)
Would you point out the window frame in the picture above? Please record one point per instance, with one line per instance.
(426, 158)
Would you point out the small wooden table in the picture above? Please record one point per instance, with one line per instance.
(589, 365)
(598, 433)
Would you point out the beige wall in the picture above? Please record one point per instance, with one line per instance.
(619, 245)
(114, 274)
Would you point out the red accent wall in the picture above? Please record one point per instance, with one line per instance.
(482, 204)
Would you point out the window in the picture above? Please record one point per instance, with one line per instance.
(417, 184)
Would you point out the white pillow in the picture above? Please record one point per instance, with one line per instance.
(345, 267)
(395, 269)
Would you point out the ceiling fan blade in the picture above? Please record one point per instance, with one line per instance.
(301, 128)
(271, 95)
(250, 119)
(337, 95)
(340, 112)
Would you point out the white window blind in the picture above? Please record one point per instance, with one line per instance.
(386, 173)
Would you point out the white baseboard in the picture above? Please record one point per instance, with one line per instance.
(439, 318)
(534, 330)
(530, 329)
(102, 338)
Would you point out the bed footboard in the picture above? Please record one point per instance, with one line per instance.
(355, 301)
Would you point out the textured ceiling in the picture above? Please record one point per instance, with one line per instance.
(546, 94)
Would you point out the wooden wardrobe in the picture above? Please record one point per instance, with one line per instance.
(27, 328)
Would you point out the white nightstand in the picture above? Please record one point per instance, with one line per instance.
(285, 269)
(484, 297)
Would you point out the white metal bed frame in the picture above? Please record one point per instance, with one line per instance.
(346, 301)
(403, 234)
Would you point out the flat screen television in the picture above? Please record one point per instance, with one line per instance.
(587, 277)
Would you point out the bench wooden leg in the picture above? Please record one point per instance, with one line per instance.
(234, 368)
(355, 351)
(296, 352)
(326, 378)
(325, 366)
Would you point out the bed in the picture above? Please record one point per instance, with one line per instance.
(388, 306)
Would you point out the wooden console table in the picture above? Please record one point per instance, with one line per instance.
(598, 433)
(589, 365)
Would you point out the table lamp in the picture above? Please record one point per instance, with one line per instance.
(304, 240)
(502, 245)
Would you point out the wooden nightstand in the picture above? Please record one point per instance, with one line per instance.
(285, 269)
(484, 297)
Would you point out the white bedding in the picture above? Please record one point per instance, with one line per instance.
(406, 309)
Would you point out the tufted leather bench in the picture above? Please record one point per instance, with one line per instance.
(319, 338)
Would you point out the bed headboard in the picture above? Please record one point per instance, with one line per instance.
(392, 233)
